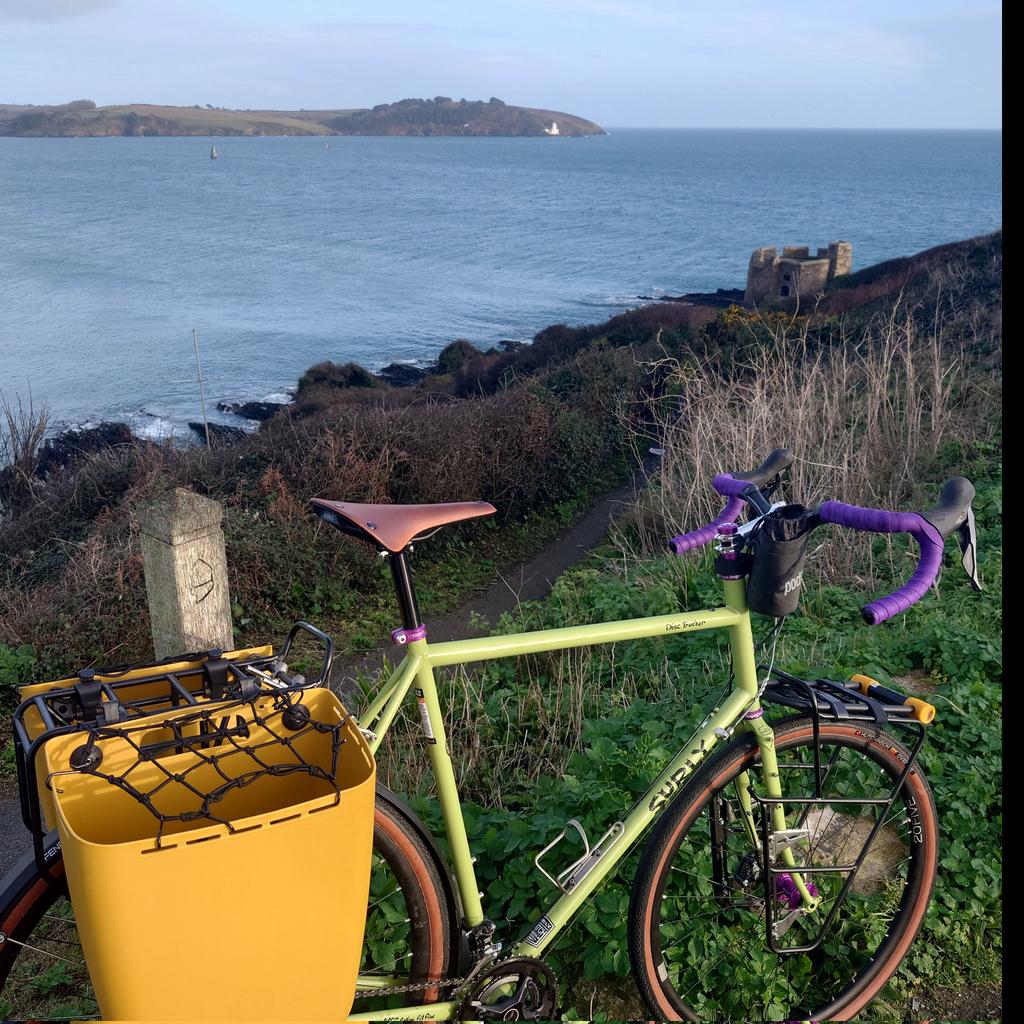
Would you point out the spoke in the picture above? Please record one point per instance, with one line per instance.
(742, 950)
(694, 874)
(391, 963)
(769, 987)
(57, 917)
(716, 912)
(77, 1016)
(383, 898)
(43, 952)
(60, 941)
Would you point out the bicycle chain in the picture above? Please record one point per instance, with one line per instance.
(418, 987)
(454, 983)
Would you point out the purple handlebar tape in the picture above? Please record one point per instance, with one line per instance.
(728, 486)
(876, 520)
(706, 534)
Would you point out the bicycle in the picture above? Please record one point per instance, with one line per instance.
(751, 899)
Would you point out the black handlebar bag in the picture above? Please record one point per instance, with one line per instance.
(778, 547)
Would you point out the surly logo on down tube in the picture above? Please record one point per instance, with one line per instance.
(538, 931)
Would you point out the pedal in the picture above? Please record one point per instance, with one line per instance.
(567, 879)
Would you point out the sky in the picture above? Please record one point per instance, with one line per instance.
(673, 63)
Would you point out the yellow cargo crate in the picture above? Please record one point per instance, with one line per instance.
(218, 857)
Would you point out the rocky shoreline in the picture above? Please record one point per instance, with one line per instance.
(70, 444)
(407, 375)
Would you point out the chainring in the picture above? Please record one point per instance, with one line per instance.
(519, 988)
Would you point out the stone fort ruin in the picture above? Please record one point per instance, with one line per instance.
(796, 273)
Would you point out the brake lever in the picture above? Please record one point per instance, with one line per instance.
(967, 537)
(753, 496)
(771, 487)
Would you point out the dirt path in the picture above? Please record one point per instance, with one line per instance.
(526, 581)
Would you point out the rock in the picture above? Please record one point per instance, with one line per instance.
(258, 411)
(219, 433)
(839, 838)
(401, 375)
(55, 454)
(70, 445)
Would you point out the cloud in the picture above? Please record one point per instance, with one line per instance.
(51, 10)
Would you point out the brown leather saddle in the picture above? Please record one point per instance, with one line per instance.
(394, 527)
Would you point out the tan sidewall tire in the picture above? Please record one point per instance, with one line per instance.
(691, 802)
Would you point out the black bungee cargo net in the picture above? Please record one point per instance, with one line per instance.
(247, 731)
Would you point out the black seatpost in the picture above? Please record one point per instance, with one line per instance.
(402, 575)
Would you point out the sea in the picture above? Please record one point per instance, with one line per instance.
(284, 252)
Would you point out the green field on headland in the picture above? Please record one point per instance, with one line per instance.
(438, 116)
(883, 389)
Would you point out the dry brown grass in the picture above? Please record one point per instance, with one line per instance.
(867, 415)
(22, 429)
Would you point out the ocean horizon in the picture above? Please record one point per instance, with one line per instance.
(286, 251)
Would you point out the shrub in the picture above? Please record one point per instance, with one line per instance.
(868, 413)
(455, 354)
(17, 666)
(336, 375)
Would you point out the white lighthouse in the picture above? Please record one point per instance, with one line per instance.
(553, 130)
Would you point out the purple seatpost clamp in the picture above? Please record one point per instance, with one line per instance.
(403, 636)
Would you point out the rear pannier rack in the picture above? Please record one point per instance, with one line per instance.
(122, 701)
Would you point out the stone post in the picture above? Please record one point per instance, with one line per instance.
(186, 574)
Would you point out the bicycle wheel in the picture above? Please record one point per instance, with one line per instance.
(411, 924)
(698, 930)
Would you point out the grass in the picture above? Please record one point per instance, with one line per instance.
(237, 120)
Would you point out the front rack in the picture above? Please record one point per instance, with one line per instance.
(126, 698)
(832, 701)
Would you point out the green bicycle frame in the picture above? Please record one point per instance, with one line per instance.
(417, 669)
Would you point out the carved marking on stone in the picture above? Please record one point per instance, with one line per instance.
(202, 580)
